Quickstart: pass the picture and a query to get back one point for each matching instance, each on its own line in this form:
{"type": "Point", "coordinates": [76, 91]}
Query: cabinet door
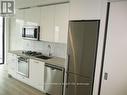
{"type": "Point", "coordinates": [16, 25]}
{"type": "Point", "coordinates": [18, 29]}
{"type": "Point", "coordinates": [61, 23]}
{"type": "Point", "coordinates": [47, 23]}
{"type": "Point", "coordinates": [54, 23]}
{"type": "Point", "coordinates": [36, 74]}
{"type": "Point", "coordinates": [20, 14]}
{"type": "Point", "coordinates": [32, 16]}
{"type": "Point", "coordinates": [12, 64]}
{"type": "Point", "coordinates": [23, 78]}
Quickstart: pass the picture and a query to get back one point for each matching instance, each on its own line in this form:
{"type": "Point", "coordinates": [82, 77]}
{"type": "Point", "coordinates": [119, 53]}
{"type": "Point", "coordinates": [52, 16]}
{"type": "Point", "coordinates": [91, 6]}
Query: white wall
{"type": "Point", "coordinates": [100, 48]}
{"type": "Point", "coordinates": [115, 54]}
{"type": "Point", "coordinates": [85, 9]}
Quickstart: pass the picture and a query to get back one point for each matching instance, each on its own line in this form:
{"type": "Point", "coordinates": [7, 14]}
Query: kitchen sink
{"type": "Point", "coordinates": [43, 57]}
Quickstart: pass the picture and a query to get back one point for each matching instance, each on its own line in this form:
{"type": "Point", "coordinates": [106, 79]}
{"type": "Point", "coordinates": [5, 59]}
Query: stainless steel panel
{"type": "Point", "coordinates": [53, 80]}
{"type": "Point", "coordinates": [78, 85]}
{"type": "Point", "coordinates": [82, 42]}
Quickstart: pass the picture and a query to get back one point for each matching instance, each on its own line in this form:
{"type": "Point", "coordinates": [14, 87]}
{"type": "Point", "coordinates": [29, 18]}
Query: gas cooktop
{"type": "Point", "coordinates": [31, 53]}
{"type": "Point", "coordinates": [36, 54]}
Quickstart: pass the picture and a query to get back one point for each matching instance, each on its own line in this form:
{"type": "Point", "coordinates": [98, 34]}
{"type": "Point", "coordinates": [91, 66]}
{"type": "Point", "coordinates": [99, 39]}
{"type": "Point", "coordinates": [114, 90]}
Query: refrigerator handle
{"type": "Point", "coordinates": [67, 72]}
{"type": "Point", "coordinates": [68, 62]}
{"type": "Point", "coordinates": [66, 81]}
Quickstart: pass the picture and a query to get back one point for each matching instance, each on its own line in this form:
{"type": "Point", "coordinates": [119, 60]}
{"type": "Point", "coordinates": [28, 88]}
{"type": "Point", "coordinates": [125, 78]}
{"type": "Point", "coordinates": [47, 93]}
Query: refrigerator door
{"type": "Point", "coordinates": [82, 47]}
{"type": "Point", "coordinates": [78, 85]}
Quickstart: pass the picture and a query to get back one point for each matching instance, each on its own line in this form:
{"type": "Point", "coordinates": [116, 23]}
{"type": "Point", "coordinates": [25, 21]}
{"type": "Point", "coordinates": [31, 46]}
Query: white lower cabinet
{"type": "Point", "coordinates": [12, 64]}
{"type": "Point", "coordinates": [36, 74]}
{"type": "Point", "coordinates": [23, 78]}
{"type": "Point", "coordinates": [36, 71]}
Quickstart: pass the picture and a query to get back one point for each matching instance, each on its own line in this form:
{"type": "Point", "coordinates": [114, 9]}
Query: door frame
{"type": "Point", "coordinates": [3, 41]}
{"type": "Point", "coordinates": [104, 47]}
{"type": "Point", "coordinates": [104, 43]}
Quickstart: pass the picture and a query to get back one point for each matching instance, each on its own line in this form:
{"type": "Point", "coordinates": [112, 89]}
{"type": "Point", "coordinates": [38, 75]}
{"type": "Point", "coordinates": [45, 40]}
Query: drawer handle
{"type": "Point", "coordinates": [36, 62]}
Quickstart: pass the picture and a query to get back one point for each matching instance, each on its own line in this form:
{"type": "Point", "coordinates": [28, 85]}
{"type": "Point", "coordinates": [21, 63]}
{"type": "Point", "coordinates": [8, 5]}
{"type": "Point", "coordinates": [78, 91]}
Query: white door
{"type": "Point", "coordinates": [115, 62]}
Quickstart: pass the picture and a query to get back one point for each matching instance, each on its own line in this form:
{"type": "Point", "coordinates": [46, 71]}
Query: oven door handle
{"type": "Point", "coordinates": [23, 60]}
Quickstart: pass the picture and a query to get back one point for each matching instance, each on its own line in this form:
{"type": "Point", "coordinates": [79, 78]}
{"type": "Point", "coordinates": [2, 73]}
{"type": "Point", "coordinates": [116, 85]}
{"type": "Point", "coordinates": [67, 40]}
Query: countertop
{"type": "Point", "coordinates": [57, 61]}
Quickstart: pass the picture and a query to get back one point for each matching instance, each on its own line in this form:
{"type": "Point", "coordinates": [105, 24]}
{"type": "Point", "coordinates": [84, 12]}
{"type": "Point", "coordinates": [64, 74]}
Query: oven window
{"type": "Point", "coordinates": [23, 68]}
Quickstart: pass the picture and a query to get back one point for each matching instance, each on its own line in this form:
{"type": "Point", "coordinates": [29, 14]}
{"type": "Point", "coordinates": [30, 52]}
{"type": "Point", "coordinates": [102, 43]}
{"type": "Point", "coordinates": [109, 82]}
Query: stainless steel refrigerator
{"type": "Point", "coordinates": [82, 51]}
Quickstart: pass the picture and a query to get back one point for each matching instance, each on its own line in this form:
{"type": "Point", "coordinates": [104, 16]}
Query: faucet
{"type": "Point", "coordinates": [49, 48]}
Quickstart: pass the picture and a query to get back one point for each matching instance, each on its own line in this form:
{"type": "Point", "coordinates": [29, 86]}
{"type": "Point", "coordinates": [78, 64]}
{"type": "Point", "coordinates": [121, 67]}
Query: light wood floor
{"type": "Point", "coordinates": [10, 86]}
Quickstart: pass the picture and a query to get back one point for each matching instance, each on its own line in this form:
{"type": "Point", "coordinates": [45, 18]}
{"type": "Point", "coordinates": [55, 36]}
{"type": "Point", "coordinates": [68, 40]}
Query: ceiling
{"type": "Point", "coordinates": [28, 3]}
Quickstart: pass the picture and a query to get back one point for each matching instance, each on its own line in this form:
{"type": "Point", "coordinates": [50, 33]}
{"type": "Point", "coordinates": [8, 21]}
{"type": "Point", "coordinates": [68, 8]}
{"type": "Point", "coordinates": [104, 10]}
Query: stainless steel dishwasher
{"type": "Point", "coordinates": [54, 78]}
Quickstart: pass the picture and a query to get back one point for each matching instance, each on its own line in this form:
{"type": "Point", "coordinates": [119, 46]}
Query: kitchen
{"type": "Point", "coordinates": [47, 40]}
{"type": "Point", "coordinates": [34, 57]}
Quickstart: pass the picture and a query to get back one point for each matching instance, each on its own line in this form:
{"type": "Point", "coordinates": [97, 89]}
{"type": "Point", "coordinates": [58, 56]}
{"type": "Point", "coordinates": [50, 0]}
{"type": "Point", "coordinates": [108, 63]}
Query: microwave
{"type": "Point", "coordinates": [31, 32]}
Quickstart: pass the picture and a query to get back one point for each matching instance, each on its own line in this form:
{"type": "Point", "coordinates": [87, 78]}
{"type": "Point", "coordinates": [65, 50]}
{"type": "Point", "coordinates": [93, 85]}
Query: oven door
{"type": "Point", "coordinates": [23, 67]}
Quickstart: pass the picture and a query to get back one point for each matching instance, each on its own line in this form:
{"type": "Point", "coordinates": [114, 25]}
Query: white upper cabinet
{"type": "Point", "coordinates": [54, 23]}
{"type": "Point", "coordinates": [16, 24]}
{"type": "Point", "coordinates": [61, 22]}
{"type": "Point", "coordinates": [47, 23]}
{"type": "Point", "coordinates": [20, 14]}
{"type": "Point", "coordinates": [32, 16]}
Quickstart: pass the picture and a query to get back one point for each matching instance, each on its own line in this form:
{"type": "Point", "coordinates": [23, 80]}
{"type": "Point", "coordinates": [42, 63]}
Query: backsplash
{"type": "Point", "coordinates": [57, 49]}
